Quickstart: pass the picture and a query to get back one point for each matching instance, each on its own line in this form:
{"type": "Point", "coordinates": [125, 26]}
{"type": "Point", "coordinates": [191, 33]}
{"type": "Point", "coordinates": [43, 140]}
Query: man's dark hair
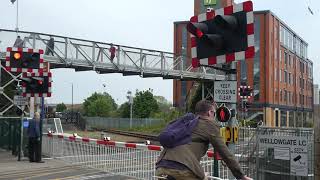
{"type": "Point", "coordinates": [203, 106]}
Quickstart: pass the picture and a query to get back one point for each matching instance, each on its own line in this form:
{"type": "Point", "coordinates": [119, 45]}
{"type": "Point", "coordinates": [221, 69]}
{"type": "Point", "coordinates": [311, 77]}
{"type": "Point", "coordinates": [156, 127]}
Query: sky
{"type": "Point", "coordinates": [141, 23]}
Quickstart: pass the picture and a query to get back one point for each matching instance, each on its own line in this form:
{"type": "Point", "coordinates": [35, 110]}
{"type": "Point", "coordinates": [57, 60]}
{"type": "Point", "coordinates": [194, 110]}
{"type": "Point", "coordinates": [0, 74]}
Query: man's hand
{"type": "Point", "coordinates": [246, 178]}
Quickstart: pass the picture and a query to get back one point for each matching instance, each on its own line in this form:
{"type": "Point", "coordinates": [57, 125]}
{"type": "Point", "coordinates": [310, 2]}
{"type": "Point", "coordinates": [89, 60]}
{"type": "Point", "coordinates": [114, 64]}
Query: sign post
{"type": "Point", "coordinates": [21, 102]}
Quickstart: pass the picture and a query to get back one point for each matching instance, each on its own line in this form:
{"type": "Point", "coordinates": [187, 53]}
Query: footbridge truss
{"type": "Point", "coordinates": [86, 55]}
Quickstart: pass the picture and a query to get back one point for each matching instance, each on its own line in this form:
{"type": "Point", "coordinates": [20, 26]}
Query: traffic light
{"type": "Point", "coordinates": [24, 60]}
{"type": "Point", "coordinates": [223, 35]}
{"type": "Point", "coordinates": [245, 92]}
{"type": "Point", "coordinates": [223, 114]}
{"type": "Point", "coordinates": [36, 84]}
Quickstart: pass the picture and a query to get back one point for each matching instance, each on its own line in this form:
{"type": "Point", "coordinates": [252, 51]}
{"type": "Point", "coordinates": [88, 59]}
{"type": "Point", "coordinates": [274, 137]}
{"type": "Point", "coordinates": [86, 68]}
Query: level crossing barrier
{"type": "Point", "coordinates": [120, 158]}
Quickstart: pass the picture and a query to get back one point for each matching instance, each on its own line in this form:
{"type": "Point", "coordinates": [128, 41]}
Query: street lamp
{"type": "Point", "coordinates": [130, 98]}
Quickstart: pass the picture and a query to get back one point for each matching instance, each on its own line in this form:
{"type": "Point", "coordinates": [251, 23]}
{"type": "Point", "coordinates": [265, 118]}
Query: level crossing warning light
{"type": "Point", "coordinates": [36, 84]}
{"type": "Point", "coordinates": [24, 60]}
{"type": "Point", "coordinates": [222, 35]}
{"type": "Point", "coordinates": [223, 114]}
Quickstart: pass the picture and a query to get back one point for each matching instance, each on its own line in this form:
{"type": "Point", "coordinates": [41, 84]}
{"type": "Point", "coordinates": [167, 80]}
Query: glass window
{"type": "Point", "coordinates": [275, 74]}
{"type": "Point", "coordinates": [285, 59]}
{"type": "Point", "coordinates": [256, 64]}
{"type": "Point", "coordinates": [243, 72]}
{"type": "Point", "coordinates": [291, 120]}
{"type": "Point", "coordinates": [280, 95]}
{"type": "Point", "coordinates": [281, 35]}
{"type": "Point", "coordinates": [280, 79]}
{"type": "Point", "coordinates": [290, 41]}
{"type": "Point", "coordinates": [285, 77]}
{"type": "Point", "coordinates": [286, 38]}
{"type": "Point", "coordinates": [298, 46]}
{"type": "Point", "coordinates": [289, 60]}
{"type": "Point", "coordinates": [283, 120]}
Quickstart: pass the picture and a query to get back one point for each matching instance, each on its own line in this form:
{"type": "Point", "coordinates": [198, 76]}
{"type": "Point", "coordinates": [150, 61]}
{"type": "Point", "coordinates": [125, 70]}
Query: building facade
{"type": "Point", "coordinates": [280, 73]}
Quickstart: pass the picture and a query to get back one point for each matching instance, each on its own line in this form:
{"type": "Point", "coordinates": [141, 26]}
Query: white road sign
{"type": "Point", "coordinates": [292, 146]}
{"type": "Point", "coordinates": [20, 100]}
{"type": "Point", "coordinates": [225, 91]}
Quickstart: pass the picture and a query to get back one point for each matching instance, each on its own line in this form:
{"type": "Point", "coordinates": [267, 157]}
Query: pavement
{"type": "Point", "coordinates": [51, 169]}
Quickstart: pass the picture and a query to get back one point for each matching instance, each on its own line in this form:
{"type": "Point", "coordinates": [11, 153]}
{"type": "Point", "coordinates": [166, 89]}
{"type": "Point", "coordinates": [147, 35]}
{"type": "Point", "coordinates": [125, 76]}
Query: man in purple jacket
{"type": "Point", "coordinates": [183, 162]}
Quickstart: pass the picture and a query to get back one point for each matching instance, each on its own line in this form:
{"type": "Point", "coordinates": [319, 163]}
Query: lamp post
{"type": "Point", "coordinates": [130, 98]}
{"type": "Point", "coordinates": [71, 101]}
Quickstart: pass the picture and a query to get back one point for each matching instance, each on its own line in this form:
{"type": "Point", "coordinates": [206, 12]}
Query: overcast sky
{"type": "Point", "coordinates": [141, 23]}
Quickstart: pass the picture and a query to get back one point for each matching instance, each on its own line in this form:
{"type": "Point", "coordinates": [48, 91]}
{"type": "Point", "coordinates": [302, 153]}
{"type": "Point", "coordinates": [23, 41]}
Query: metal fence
{"type": "Point", "coordinates": [257, 158]}
{"type": "Point", "coordinates": [10, 134]}
{"type": "Point", "coordinates": [126, 159]}
{"type": "Point", "coordinates": [285, 153]}
{"type": "Point", "coordinates": [122, 123]}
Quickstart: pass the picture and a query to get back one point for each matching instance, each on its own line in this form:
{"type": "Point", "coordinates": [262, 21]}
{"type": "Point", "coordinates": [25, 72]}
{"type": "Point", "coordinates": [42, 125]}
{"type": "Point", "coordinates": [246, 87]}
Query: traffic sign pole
{"type": "Point", "coordinates": [21, 135]}
{"type": "Point", "coordinates": [233, 122]}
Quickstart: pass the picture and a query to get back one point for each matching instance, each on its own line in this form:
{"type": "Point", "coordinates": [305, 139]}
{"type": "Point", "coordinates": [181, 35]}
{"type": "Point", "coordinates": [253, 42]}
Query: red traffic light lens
{"type": "Point", "coordinates": [197, 29]}
{"type": "Point", "coordinates": [199, 33]}
{"type": "Point", "coordinates": [17, 55]}
{"type": "Point", "coordinates": [40, 82]}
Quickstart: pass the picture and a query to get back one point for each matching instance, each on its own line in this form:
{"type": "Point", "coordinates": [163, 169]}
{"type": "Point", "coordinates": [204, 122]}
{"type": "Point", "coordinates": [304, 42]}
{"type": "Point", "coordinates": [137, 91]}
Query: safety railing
{"type": "Point", "coordinates": [120, 158]}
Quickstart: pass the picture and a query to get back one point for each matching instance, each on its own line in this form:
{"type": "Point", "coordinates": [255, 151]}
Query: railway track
{"type": "Point", "coordinates": [133, 134]}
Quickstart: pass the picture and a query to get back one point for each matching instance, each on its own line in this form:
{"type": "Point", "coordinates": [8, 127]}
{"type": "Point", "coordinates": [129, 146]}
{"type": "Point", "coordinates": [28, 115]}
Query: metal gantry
{"type": "Point", "coordinates": [86, 55]}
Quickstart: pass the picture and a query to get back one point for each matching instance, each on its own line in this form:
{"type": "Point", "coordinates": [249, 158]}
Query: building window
{"type": "Point", "coordinates": [275, 74]}
{"type": "Point", "coordinates": [280, 79]}
{"type": "Point", "coordinates": [282, 34]}
{"type": "Point", "coordinates": [256, 64]}
{"type": "Point", "coordinates": [285, 99]}
{"type": "Point", "coordinates": [290, 63]}
{"type": "Point", "coordinates": [276, 94]}
{"type": "Point", "coordinates": [291, 120]}
{"type": "Point", "coordinates": [289, 78]}
{"type": "Point", "coordinates": [285, 59]}
{"type": "Point", "coordinates": [285, 77]}
{"type": "Point", "coordinates": [283, 120]}
{"type": "Point", "coordinates": [243, 72]}
{"type": "Point", "coordinates": [280, 95]}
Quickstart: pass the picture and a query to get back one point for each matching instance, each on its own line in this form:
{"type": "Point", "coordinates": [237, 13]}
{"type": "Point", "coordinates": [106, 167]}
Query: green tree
{"type": "Point", "coordinates": [61, 107]}
{"type": "Point", "coordinates": [196, 96]}
{"type": "Point", "coordinates": [163, 103]}
{"type": "Point", "coordinates": [98, 104]}
{"type": "Point", "coordinates": [144, 104]}
{"type": "Point", "coordinates": [124, 110]}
